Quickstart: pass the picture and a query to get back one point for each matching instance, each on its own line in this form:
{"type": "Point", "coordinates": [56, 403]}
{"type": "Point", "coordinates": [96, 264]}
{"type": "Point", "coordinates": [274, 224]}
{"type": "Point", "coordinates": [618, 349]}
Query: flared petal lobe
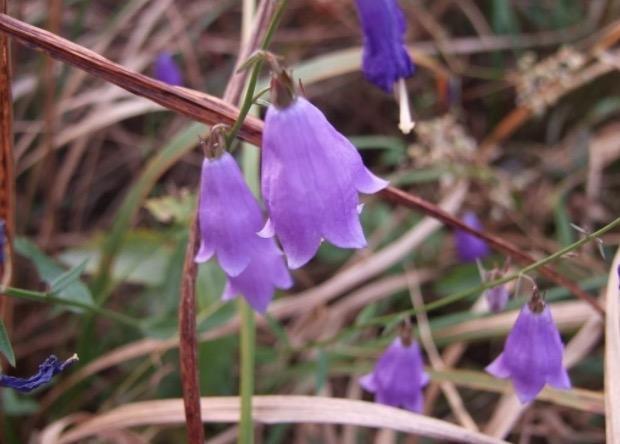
{"type": "Point", "coordinates": [311, 177]}
{"type": "Point", "coordinates": [469, 248]}
{"type": "Point", "coordinates": [265, 272]}
{"type": "Point", "coordinates": [47, 370]}
{"type": "Point", "coordinates": [167, 70]}
{"type": "Point", "coordinates": [385, 58]}
{"type": "Point", "coordinates": [532, 355]}
{"type": "Point", "coordinates": [398, 377]}
{"type": "Point", "coordinates": [229, 215]}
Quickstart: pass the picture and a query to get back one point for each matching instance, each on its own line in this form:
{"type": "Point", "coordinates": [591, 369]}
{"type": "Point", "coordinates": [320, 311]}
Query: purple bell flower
{"type": "Point", "coordinates": [311, 177]}
{"type": "Point", "coordinates": [470, 248]}
{"type": "Point", "coordinates": [385, 58]}
{"type": "Point", "coordinates": [47, 370]}
{"type": "Point", "coordinates": [229, 218]}
{"type": "Point", "coordinates": [167, 71]}
{"type": "Point", "coordinates": [533, 353]}
{"type": "Point", "coordinates": [497, 298]}
{"type": "Point", "coordinates": [398, 377]}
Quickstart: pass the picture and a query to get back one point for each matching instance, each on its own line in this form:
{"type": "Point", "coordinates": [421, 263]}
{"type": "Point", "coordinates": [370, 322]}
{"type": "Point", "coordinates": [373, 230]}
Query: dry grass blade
{"type": "Point", "coordinates": [195, 105]}
{"type": "Point", "coordinates": [612, 355]}
{"type": "Point", "coordinates": [275, 410]}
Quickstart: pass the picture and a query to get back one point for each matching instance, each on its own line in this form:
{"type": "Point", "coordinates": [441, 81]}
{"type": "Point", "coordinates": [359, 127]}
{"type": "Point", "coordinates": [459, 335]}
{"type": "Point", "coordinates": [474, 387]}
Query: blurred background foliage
{"type": "Point", "coordinates": [107, 180]}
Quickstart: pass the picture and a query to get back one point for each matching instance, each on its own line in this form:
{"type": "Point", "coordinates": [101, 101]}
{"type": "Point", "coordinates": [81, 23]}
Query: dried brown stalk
{"type": "Point", "coordinates": [187, 307]}
{"type": "Point", "coordinates": [7, 178]}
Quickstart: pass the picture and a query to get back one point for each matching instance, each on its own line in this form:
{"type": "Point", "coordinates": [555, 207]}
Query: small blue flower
{"type": "Point", "coordinates": [533, 353]}
{"type": "Point", "coordinates": [385, 58]}
{"type": "Point", "coordinates": [469, 248]}
{"type": "Point", "coordinates": [47, 370]}
{"type": "Point", "coordinates": [167, 70]}
{"type": "Point", "coordinates": [398, 377]}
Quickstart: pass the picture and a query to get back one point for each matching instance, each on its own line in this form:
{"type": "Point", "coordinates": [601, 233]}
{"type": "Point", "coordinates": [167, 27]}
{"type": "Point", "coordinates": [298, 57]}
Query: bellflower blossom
{"type": "Point", "coordinates": [470, 248]}
{"type": "Point", "coordinates": [533, 353]}
{"type": "Point", "coordinates": [398, 377]}
{"type": "Point", "coordinates": [311, 177]}
{"type": "Point", "coordinates": [229, 218]}
{"type": "Point", "coordinates": [385, 58]}
{"type": "Point", "coordinates": [497, 297]}
{"type": "Point", "coordinates": [47, 370]}
{"type": "Point", "coordinates": [167, 70]}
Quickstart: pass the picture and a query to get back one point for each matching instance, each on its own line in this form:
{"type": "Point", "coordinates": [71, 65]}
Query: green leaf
{"type": "Point", "coordinates": [14, 404]}
{"type": "Point", "coordinates": [5, 345]}
{"type": "Point", "coordinates": [64, 284]}
{"type": "Point", "coordinates": [67, 278]}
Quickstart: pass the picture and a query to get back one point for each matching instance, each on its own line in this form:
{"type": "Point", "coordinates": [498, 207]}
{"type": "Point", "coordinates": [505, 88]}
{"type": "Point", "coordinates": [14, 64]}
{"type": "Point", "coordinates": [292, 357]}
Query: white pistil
{"type": "Point", "coordinates": [406, 123]}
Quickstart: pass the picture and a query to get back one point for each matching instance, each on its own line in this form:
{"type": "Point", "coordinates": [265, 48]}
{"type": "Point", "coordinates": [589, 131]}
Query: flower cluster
{"type": "Point", "coordinates": [311, 177]}
{"type": "Point", "coordinates": [47, 370]}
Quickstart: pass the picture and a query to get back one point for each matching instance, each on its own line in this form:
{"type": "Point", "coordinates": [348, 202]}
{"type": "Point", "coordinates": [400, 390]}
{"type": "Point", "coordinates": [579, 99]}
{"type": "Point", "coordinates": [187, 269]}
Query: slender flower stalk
{"type": "Point", "coordinates": [385, 60]}
{"type": "Point", "coordinates": [533, 353]}
{"type": "Point", "coordinates": [47, 370]}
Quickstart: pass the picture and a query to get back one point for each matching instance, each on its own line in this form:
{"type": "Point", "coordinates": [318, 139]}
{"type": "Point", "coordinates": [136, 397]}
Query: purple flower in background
{"type": "Point", "coordinates": [469, 247]}
{"type": "Point", "coordinates": [497, 298]}
{"type": "Point", "coordinates": [311, 177]}
{"type": "Point", "coordinates": [166, 70]}
{"type": "Point", "coordinates": [533, 353]}
{"type": "Point", "coordinates": [398, 377]}
{"type": "Point", "coordinates": [47, 370]}
{"type": "Point", "coordinates": [385, 60]}
{"type": "Point", "coordinates": [229, 218]}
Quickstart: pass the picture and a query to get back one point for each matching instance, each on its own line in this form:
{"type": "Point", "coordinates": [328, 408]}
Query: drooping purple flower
{"type": "Point", "coordinates": [469, 248]}
{"type": "Point", "coordinates": [398, 377]}
{"type": "Point", "coordinates": [385, 58]}
{"type": "Point", "coordinates": [229, 219]}
{"type": "Point", "coordinates": [47, 370]}
{"type": "Point", "coordinates": [167, 70]}
{"type": "Point", "coordinates": [533, 353]}
{"type": "Point", "coordinates": [311, 177]}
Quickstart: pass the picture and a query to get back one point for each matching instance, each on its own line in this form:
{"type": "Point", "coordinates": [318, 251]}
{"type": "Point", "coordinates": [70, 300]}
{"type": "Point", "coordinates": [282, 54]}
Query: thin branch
{"type": "Point", "coordinates": [7, 175]}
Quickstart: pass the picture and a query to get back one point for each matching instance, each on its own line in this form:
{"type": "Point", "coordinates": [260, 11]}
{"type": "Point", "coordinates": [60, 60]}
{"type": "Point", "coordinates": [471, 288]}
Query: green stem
{"type": "Point", "coordinates": [48, 297]}
{"type": "Point", "coordinates": [383, 320]}
{"type": "Point", "coordinates": [248, 332]}
{"type": "Point", "coordinates": [248, 100]}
